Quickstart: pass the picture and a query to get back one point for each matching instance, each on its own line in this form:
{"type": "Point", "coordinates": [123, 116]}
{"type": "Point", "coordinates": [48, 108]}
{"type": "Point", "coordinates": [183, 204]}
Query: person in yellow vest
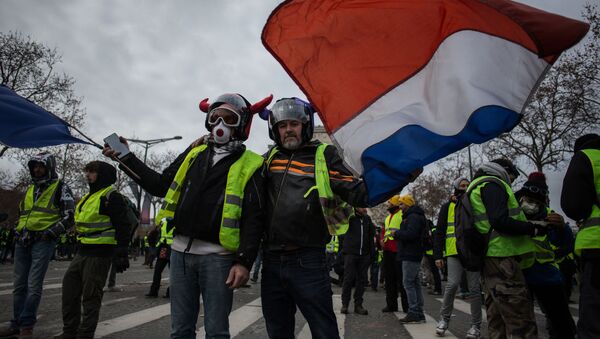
{"type": "Point", "coordinates": [309, 196]}
{"type": "Point", "coordinates": [45, 213]}
{"type": "Point", "coordinates": [544, 279]}
{"type": "Point", "coordinates": [580, 200]}
{"type": "Point", "coordinates": [392, 272]}
{"type": "Point", "coordinates": [497, 215]}
{"type": "Point", "coordinates": [163, 257]}
{"type": "Point", "coordinates": [102, 230]}
{"type": "Point", "coordinates": [444, 246]}
{"type": "Point", "coordinates": [214, 191]}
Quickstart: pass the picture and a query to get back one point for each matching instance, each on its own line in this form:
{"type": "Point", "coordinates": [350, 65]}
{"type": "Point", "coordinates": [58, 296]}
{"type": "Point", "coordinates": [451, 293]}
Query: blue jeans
{"type": "Point", "coordinates": [298, 278]}
{"type": "Point", "coordinates": [31, 264]}
{"type": "Point", "coordinates": [193, 276]}
{"type": "Point", "coordinates": [412, 285]}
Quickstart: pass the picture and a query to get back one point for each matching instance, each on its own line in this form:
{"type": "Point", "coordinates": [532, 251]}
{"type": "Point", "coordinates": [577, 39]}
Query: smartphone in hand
{"type": "Point", "coordinates": [113, 142]}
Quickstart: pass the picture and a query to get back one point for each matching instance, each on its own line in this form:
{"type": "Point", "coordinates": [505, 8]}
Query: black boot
{"type": "Point", "coordinates": [344, 309]}
{"type": "Point", "coordinates": [358, 309]}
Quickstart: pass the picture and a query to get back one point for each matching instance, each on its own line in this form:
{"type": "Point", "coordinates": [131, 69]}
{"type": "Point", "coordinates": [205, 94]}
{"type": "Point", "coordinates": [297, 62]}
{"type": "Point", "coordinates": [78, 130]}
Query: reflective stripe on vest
{"type": "Point", "coordinates": [450, 236]}
{"type": "Point", "coordinates": [430, 252]}
{"type": "Point", "coordinates": [500, 245]}
{"type": "Point", "coordinates": [239, 174]}
{"type": "Point", "coordinates": [166, 237]}
{"type": "Point", "coordinates": [335, 211]}
{"type": "Point", "coordinates": [41, 214]}
{"type": "Point", "coordinates": [391, 226]}
{"type": "Point", "coordinates": [588, 236]}
{"type": "Point", "coordinates": [92, 227]}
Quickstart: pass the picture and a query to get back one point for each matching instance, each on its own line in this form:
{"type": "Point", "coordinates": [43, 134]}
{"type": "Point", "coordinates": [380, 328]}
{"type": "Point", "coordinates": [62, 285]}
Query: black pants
{"type": "Point", "coordinates": [82, 289]}
{"type": "Point", "coordinates": [437, 280]}
{"type": "Point", "coordinates": [553, 302]}
{"type": "Point", "coordinates": [161, 262]}
{"type": "Point", "coordinates": [112, 276]}
{"type": "Point", "coordinates": [393, 282]}
{"type": "Point", "coordinates": [355, 275]}
{"type": "Point", "coordinates": [374, 272]}
{"type": "Point", "coordinates": [588, 326]}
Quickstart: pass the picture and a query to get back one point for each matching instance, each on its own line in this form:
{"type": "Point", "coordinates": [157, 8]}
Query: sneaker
{"type": "Point", "coordinates": [8, 331]}
{"type": "Point", "coordinates": [413, 319]}
{"type": "Point", "coordinates": [344, 309]}
{"type": "Point", "coordinates": [441, 328]}
{"type": "Point", "coordinates": [388, 309]}
{"type": "Point", "coordinates": [358, 309]}
{"type": "Point", "coordinates": [473, 333]}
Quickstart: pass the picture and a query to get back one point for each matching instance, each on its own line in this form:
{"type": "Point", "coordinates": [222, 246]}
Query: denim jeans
{"type": "Point", "coordinates": [193, 276]}
{"type": "Point", "coordinates": [412, 285]}
{"type": "Point", "coordinates": [31, 264]}
{"type": "Point", "coordinates": [298, 278]}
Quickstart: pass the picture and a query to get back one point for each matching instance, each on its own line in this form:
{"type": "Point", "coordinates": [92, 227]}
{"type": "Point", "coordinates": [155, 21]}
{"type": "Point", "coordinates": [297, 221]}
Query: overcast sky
{"type": "Point", "coordinates": [143, 66]}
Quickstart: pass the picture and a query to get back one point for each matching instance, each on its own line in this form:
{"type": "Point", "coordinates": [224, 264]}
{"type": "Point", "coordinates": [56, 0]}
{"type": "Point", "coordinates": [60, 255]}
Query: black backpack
{"type": "Point", "coordinates": [471, 244]}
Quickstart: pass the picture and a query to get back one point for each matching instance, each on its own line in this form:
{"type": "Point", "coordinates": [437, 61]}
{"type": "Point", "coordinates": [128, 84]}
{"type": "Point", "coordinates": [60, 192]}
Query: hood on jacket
{"type": "Point", "coordinates": [414, 209]}
{"type": "Point", "coordinates": [49, 162]}
{"type": "Point", "coordinates": [107, 174]}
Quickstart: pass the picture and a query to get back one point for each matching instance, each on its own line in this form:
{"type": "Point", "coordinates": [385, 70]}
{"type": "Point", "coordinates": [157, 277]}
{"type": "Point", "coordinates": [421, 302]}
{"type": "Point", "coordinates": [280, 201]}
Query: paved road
{"type": "Point", "coordinates": [128, 314]}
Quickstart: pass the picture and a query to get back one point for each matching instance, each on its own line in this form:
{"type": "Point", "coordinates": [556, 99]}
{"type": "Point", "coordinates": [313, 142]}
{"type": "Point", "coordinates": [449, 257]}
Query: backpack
{"type": "Point", "coordinates": [133, 214]}
{"type": "Point", "coordinates": [471, 244]}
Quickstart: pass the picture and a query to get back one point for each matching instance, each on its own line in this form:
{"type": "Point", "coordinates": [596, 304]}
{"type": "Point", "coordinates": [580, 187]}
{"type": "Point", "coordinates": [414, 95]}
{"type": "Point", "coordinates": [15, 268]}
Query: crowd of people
{"type": "Point", "coordinates": [301, 211]}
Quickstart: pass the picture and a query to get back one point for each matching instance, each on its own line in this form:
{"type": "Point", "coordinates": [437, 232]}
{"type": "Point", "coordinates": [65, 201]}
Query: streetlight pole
{"type": "Point", "coordinates": [147, 144]}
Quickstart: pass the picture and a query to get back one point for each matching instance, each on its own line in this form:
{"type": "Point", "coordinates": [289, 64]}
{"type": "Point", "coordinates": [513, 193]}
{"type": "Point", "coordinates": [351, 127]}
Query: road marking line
{"type": "Point", "coordinates": [240, 318]}
{"type": "Point", "coordinates": [132, 320]}
{"type": "Point", "coordinates": [341, 320]}
{"type": "Point", "coordinates": [115, 301]}
{"type": "Point", "coordinates": [423, 331]}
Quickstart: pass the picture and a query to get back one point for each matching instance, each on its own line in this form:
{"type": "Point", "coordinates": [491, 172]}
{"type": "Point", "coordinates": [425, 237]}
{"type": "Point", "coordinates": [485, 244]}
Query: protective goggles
{"type": "Point", "coordinates": [535, 190]}
{"type": "Point", "coordinates": [229, 117]}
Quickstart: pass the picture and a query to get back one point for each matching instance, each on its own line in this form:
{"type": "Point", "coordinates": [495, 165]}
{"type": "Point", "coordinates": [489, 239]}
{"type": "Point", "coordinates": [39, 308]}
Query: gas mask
{"type": "Point", "coordinates": [221, 134]}
{"type": "Point", "coordinates": [530, 208]}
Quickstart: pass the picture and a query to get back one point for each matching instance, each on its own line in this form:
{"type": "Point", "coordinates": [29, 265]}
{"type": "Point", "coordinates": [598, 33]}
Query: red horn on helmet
{"type": "Point", "coordinates": [204, 105]}
{"type": "Point", "coordinates": [261, 105]}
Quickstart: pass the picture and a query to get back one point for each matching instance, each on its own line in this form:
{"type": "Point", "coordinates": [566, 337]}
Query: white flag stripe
{"type": "Point", "coordinates": [468, 71]}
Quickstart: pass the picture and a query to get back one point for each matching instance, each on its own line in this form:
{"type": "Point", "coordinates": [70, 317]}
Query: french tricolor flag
{"type": "Point", "coordinates": [400, 84]}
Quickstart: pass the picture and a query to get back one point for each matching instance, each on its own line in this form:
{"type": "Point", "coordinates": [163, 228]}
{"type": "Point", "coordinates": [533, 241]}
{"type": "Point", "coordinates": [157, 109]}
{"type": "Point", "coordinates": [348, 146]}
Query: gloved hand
{"type": "Point", "coordinates": [53, 232]}
{"type": "Point", "coordinates": [121, 259]}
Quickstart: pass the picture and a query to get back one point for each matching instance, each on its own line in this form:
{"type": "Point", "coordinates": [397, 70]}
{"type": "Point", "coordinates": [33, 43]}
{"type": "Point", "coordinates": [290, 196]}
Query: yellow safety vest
{"type": "Point", "coordinates": [92, 227]}
{"type": "Point", "coordinates": [501, 245]}
{"type": "Point", "coordinates": [544, 250]}
{"type": "Point", "coordinates": [588, 236]}
{"type": "Point", "coordinates": [391, 226]}
{"type": "Point", "coordinates": [41, 214]}
{"type": "Point", "coordinates": [450, 235]}
{"type": "Point", "coordinates": [239, 174]}
{"type": "Point", "coordinates": [333, 245]}
{"type": "Point", "coordinates": [336, 211]}
{"type": "Point", "coordinates": [166, 237]}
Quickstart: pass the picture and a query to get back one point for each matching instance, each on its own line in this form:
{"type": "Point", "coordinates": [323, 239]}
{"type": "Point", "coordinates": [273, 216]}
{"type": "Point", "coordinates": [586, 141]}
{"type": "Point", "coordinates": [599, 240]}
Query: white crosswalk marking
{"type": "Point", "coordinates": [423, 331]}
{"type": "Point", "coordinates": [46, 287]}
{"type": "Point", "coordinates": [465, 307]}
{"type": "Point", "coordinates": [116, 301]}
{"type": "Point", "coordinates": [240, 318]}
{"type": "Point", "coordinates": [132, 320]}
{"type": "Point", "coordinates": [341, 319]}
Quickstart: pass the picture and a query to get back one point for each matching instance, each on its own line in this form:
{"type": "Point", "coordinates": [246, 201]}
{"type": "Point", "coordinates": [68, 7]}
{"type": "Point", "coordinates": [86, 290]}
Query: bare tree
{"type": "Point", "coordinates": [29, 68]}
{"type": "Point", "coordinates": [565, 106]}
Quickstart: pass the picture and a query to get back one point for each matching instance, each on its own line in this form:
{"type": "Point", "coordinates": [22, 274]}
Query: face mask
{"type": "Point", "coordinates": [221, 133]}
{"type": "Point", "coordinates": [458, 193]}
{"type": "Point", "coordinates": [530, 207]}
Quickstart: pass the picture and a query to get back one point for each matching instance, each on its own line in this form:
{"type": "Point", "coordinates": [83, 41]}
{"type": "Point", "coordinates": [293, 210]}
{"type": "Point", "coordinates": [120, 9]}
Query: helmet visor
{"type": "Point", "coordinates": [288, 110]}
{"type": "Point", "coordinates": [229, 117]}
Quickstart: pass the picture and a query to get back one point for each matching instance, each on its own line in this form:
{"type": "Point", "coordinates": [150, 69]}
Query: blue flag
{"type": "Point", "coordinates": [24, 124]}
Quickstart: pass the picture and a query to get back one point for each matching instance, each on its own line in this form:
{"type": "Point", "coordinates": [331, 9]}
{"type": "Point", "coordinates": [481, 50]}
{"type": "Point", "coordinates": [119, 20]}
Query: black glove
{"type": "Point", "coordinates": [121, 259]}
{"type": "Point", "coordinates": [53, 232]}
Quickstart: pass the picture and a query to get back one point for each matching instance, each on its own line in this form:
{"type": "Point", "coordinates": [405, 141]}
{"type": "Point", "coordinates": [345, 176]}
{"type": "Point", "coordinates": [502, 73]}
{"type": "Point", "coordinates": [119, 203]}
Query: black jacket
{"type": "Point", "coordinates": [579, 192]}
{"type": "Point", "coordinates": [199, 210]}
{"type": "Point", "coordinates": [295, 220]}
{"type": "Point", "coordinates": [439, 236]}
{"type": "Point", "coordinates": [359, 238]}
{"type": "Point", "coordinates": [411, 234]}
{"type": "Point", "coordinates": [114, 207]}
